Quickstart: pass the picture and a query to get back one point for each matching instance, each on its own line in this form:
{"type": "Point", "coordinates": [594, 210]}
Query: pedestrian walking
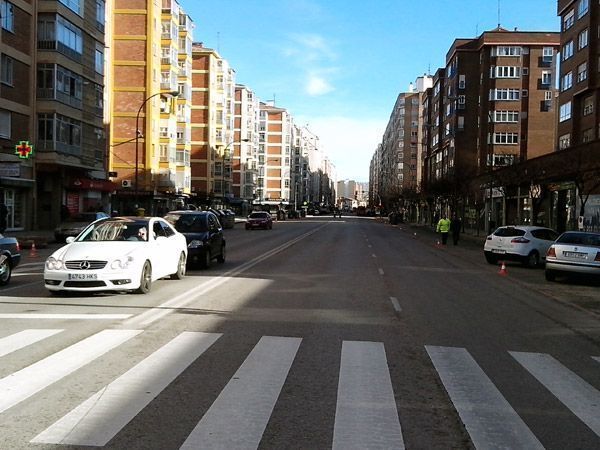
{"type": "Point", "coordinates": [455, 227]}
{"type": "Point", "coordinates": [443, 227]}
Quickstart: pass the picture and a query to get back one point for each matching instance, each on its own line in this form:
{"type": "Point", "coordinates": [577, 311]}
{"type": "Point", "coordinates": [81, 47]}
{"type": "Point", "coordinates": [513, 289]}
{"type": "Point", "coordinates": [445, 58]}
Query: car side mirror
{"type": "Point", "coordinates": [69, 239]}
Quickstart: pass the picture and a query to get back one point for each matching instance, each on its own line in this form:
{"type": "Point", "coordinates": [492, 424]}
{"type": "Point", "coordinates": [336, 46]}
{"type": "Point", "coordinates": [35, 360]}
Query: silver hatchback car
{"type": "Point", "coordinates": [574, 252]}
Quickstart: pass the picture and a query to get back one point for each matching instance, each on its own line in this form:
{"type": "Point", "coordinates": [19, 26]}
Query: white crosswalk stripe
{"type": "Point", "coordinates": [577, 395]}
{"type": "Point", "coordinates": [23, 339]}
{"type": "Point", "coordinates": [366, 414]}
{"type": "Point", "coordinates": [488, 417]}
{"type": "Point", "coordinates": [238, 417]}
{"type": "Point", "coordinates": [22, 384]}
{"type": "Point", "coordinates": [97, 420]}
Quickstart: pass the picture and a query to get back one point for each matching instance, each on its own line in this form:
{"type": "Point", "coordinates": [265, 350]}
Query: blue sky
{"type": "Point", "coordinates": [338, 65]}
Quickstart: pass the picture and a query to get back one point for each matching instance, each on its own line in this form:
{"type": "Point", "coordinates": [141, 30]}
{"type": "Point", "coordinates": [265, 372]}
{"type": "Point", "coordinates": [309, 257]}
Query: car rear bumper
{"type": "Point", "coordinates": [573, 267]}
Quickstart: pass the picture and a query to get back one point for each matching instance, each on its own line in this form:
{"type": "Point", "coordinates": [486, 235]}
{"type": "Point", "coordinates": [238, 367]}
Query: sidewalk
{"type": "Point", "coordinates": [41, 238]}
{"type": "Point", "coordinates": [466, 238]}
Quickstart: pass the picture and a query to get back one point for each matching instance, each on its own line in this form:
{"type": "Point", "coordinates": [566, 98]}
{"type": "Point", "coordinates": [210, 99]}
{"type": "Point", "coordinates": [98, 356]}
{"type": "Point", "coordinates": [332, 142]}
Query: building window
{"type": "Point", "coordinates": [505, 94]}
{"type": "Point", "coordinates": [461, 122]}
{"type": "Point", "coordinates": [582, 40]}
{"type": "Point", "coordinates": [6, 70]}
{"type": "Point", "coordinates": [461, 81]}
{"type": "Point", "coordinates": [99, 60]}
{"type": "Point", "coordinates": [547, 54]}
{"type": "Point", "coordinates": [5, 124]}
{"type": "Point", "coordinates": [564, 141]}
{"type": "Point", "coordinates": [568, 20]}
{"type": "Point", "coordinates": [505, 72]}
{"type": "Point", "coordinates": [583, 7]}
{"type": "Point", "coordinates": [506, 116]}
{"type": "Point", "coordinates": [73, 5]}
{"type": "Point", "coordinates": [582, 72]}
{"type": "Point", "coordinates": [565, 112]}
{"type": "Point", "coordinates": [7, 16]}
{"type": "Point", "coordinates": [587, 135]}
{"type": "Point", "coordinates": [588, 105]}
{"type": "Point", "coordinates": [503, 160]}
{"type": "Point", "coordinates": [100, 14]}
{"type": "Point", "coordinates": [548, 95]}
{"type": "Point", "coordinates": [505, 138]}
{"type": "Point", "coordinates": [546, 77]}
{"type": "Point", "coordinates": [506, 51]}
{"type": "Point", "coordinates": [567, 50]}
{"type": "Point", "coordinates": [567, 81]}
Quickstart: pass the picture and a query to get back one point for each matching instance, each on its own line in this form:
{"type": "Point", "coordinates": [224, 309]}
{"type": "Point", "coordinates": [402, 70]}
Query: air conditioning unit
{"type": "Point", "coordinates": [126, 183]}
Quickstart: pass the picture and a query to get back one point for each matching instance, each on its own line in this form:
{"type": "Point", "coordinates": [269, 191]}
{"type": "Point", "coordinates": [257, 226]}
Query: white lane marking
{"type": "Point", "coordinates": [66, 316]}
{"type": "Point", "coordinates": [238, 417]}
{"type": "Point", "coordinates": [374, 255]}
{"type": "Point", "coordinates": [366, 415]}
{"type": "Point", "coordinates": [97, 420]}
{"type": "Point", "coordinates": [370, 246]}
{"type": "Point", "coordinates": [24, 383]}
{"type": "Point", "coordinates": [488, 417]}
{"type": "Point", "coordinates": [20, 286]}
{"type": "Point", "coordinates": [33, 264]}
{"type": "Point", "coordinates": [577, 395]}
{"type": "Point", "coordinates": [193, 294]}
{"type": "Point", "coordinates": [597, 358]}
{"type": "Point", "coordinates": [380, 270]}
{"type": "Point", "coordinates": [22, 339]}
{"type": "Point", "coordinates": [396, 304]}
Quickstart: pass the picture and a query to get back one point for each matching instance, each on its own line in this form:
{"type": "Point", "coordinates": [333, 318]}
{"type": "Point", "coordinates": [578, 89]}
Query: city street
{"type": "Point", "coordinates": [320, 333]}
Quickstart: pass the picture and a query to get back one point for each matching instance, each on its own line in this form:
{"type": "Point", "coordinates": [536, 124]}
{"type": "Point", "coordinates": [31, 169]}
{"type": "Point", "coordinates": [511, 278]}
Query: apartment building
{"type": "Point", "coordinates": [213, 136]}
{"type": "Point", "coordinates": [274, 155]}
{"type": "Point", "coordinates": [245, 156]}
{"type": "Point", "coordinates": [70, 156]}
{"type": "Point", "coordinates": [150, 104]}
{"type": "Point", "coordinates": [578, 116]}
{"type": "Point", "coordinates": [491, 107]}
{"type": "Point", "coordinates": [17, 106]}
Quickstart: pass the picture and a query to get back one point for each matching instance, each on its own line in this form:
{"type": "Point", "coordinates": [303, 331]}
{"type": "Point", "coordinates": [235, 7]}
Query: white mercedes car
{"type": "Point", "coordinates": [117, 254]}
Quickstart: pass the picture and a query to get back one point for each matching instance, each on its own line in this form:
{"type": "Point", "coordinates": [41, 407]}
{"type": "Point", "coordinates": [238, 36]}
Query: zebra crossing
{"type": "Point", "coordinates": [366, 412]}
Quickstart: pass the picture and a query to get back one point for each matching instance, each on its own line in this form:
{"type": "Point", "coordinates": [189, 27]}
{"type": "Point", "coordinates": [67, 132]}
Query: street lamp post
{"type": "Point", "coordinates": [223, 166]}
{"type": "Point", "coordinates": [139, 134]}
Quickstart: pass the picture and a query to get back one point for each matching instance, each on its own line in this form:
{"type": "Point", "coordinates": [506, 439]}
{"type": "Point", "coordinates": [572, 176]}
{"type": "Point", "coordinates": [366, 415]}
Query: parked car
{"type": "Point", "coordinates": [117, 254]}
{"type": "Point", "coordinates": [259, 219]}
{"type": "Point", "coordinates": [226, 220]}
{"type": "Point", "coordinates": [203, 234]}
{"type": "Point", "coordinates": [523, 243]}
{"type": "Point", "coordinates": [75, 224]}
{"type": "Point", "coordinates": [574, 252]}
{"type": "Point", "coordinates": [10, 256]}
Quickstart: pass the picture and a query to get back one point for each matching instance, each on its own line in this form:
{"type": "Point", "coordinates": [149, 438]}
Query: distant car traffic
{"type": "Point", "coordinates": [523, 243]}
{"type": "Point", "coordinates": [226, 217]}
{"type": "Point", "coordinates": [10, 256]}
{"type": "Point", "coordinates": [259, 219]}
{"type": "Point", "coordinates": [75, 224]}
{"type": "Point", "coordinates": [203, 233]}
{"type": "Point", "coordinates": [574, 252]}
{"type": "Point", "coordinates": [118, 254]}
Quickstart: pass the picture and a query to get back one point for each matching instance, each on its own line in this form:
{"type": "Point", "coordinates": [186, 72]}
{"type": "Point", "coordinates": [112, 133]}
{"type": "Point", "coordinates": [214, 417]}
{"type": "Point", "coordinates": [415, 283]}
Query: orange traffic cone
{"type": "Point", "coordinates": [503, 270]}
{"type": "Point", "coordinates": [33, 251]}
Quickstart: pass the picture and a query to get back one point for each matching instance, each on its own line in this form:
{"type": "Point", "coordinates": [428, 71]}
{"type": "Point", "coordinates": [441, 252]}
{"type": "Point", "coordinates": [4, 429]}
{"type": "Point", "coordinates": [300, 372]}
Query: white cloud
{"type": "Point", "coordinates": [348, 142]}
{"type": "Point", "coordinates": [317, 85]}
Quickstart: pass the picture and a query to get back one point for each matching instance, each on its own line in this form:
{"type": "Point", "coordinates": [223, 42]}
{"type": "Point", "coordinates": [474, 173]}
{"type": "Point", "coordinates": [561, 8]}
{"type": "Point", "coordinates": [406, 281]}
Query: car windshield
{"type": "Point", "coordinates": [509, 232]}
{"type": "Point", "coordinates": [115, 230]}
{"type": "Point", "coordinates": [258, 215]}
{"type": "Point", "coordinates": [82, 217]}
{"type": "Point", "coordinates": [588, 239]}
{"type": "Point", "coordinates": [188, 223]}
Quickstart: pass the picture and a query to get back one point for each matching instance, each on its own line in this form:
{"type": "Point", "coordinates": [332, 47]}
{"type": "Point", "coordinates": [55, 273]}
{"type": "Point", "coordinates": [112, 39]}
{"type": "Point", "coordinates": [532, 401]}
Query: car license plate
{"type": "Point", "coordinates": [82, 276]}
{"type": "Point", "coordinates": [578, 255]}
{"type": "Point", "coordinates": [497, 250]}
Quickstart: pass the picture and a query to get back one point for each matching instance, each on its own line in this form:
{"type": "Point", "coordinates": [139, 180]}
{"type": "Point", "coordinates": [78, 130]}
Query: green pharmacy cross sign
{"type": "Point", "coordinates": [24, 149]}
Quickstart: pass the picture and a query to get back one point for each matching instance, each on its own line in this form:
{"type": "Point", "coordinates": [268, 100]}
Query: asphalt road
{"type": "Point", "coordinates": [321, 333]}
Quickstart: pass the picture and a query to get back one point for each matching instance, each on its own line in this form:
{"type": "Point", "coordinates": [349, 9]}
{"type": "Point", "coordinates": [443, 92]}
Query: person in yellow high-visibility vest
{"type": "Point", "coordinates": [443, 227]}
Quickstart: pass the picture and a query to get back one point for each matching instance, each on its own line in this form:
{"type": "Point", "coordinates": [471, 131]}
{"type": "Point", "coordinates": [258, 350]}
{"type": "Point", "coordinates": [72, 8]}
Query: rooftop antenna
{"type": "Point", "coordinates": [498, 13]}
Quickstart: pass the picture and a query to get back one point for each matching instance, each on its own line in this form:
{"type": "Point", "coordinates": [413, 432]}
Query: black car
{"type": "Point", "coordinates": [203, 233]}
{"type": "Point", "coordinates": [10, 256]}
{"type": "Point", "coordinates": [226, 217]}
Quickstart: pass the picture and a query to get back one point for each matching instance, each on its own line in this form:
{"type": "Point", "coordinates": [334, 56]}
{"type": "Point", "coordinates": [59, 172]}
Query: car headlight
{"type": "Point", "coordinates": [121, 263]}
{"type": "Point", "coordinates": [195, 244]}
{"type": "Point", "coordinates": [54, 264]}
